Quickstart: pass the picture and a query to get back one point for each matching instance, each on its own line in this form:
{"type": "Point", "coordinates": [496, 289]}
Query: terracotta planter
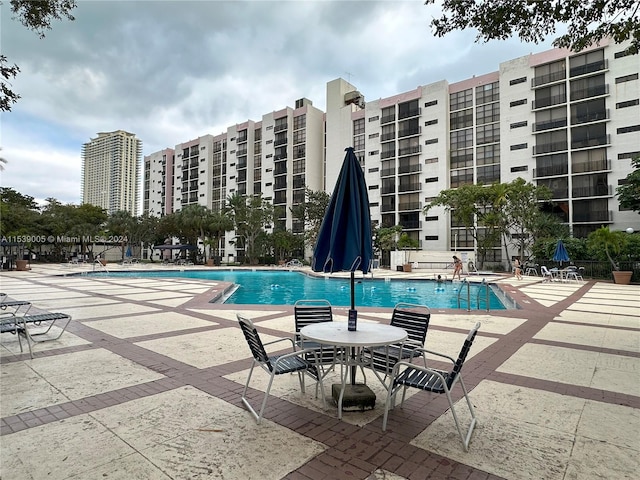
{"type": "Point", "coordinates": [103, 262]}
{"type": "Point", "coordinates": [21, 265]}
{"type": "Point", "coordinates": [209, 262]}
{"type": "Point", "coordinates": [406, 267]}
{"type": "Point", "coordinates": [622, 277]}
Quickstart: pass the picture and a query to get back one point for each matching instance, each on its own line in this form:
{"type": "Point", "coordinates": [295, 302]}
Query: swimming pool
{"type": "Point", "coordinates": [276, 287]}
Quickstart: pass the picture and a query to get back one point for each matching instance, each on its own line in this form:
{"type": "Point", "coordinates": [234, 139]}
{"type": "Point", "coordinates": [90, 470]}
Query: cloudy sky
{"type": "Point", "coordinates": [172, 70]}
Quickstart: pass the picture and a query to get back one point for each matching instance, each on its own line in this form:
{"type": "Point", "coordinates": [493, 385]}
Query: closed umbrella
{"type": "Point", "coordinates": [560, 254]}
{"type": "Point", "coordinates": [344, 242]}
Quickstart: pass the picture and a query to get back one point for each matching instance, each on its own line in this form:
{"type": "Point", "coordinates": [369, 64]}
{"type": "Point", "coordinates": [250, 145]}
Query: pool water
{"type": "Point", "coordinates": [276, 287]}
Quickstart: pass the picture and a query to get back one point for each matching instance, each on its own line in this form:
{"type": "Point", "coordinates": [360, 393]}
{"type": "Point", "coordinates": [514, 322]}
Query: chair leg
{"type": "Point", "coordinates": [465, 438]}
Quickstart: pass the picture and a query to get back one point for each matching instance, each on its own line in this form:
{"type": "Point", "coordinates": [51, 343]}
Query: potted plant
{"type": "Point", "coordinates": [612, 242]}
{"type": "Point", "coordinates": [407, 243]}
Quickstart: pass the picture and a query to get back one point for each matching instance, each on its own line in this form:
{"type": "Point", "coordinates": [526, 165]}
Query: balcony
{"type": "Point", "coordinates": [588, 68]}
{"type": "Point", "coordinates": [551, 171]}
{"type": "Point", "coordinates": [388, 119]}
{"type": "Point", "coordinates": [407, 132]}
{"type": "Point", "coordinates": [410, 187]}
{"type": "Point", "coordinates": [385, 137]}
{"type": "Point", "coordinates": [590, 117]}
{"type": "Point", "coordinates": [549, 125]}
{"type": "Point", "coordinates": [593, 216]}
{"type": "Point", "coordinates": [403, 207]}
{"type": "Point", "coordinates": [549, 101]}
{"type": "Point", "coordinates": [280, 127]}
{"type": "Point", "coordinates": [409, 150]}
{"type": "Point", "coordinates": [281, 141]}
{"type": "Point", "coordinates": [409, 168]}
{"type": "Point", "coordinates": [591, 142]}
{"type": "Point", "coordinates": [548, 78]}
{"type": "Point", "coordinates": [388, 172]}
{"type": "Point", "coordinates": [388, 154]}
{"type": "Point", "coordinates": [411, 224]}
{"type": "Point", "coordinates": [414, 112]}
{"type": "Point", "coordinates": [593, 166]}
{"type": "Point", "coordinates": [549, 147]}
{"type": "Point", "coordinates": [592, 191]}
{"type": "Point", "coordinates": [595, 91]}
{"type": "Point", "coordinates": [388, 208]}
{"type": "Point", "coordinates": [388, 189]}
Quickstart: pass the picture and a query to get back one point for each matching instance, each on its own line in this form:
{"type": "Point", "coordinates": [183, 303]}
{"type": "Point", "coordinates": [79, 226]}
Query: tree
{"type": "Point", "coordinates": [629, 193]}
{"type": "Point", "coordinates": [612, 242]}
{"type": "Point", "coordinates": [311, 212]}
{"type": "Point", "coordinates": [250, 216]}
{"type": "Point", "coordinates": [121, 224]}
{"type": "Point", "coordinates": [587, 22]}
{"type": "Point", "coordinates": [18, 213]}
{"type": "Point", "coordinates": [36, 16]}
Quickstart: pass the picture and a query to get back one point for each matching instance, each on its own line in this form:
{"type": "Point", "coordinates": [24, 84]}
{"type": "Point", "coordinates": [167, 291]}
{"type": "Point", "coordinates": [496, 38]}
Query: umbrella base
{"type": "Point", "coordinates": [356, 397]}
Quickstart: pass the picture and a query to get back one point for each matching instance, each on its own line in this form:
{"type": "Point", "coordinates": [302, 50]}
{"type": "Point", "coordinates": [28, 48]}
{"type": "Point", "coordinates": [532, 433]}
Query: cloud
{"type": "Point", "coordinates": [170, 71]}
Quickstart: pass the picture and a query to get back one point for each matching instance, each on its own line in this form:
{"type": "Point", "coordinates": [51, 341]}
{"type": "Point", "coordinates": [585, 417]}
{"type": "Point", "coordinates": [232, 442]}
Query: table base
{"type": "Point", "coordinates": [356, 397]}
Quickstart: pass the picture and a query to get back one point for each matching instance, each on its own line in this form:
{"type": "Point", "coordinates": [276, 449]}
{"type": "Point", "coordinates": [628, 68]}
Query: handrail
{"type": "Point", "coordinates": [466, 280]}
{"type": "Point", "coordinates": [97, 261]}
{"type": "Point", "coordinates": [486, 289]}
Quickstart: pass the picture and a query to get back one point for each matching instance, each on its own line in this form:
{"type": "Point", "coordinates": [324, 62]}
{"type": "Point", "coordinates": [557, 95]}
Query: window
{"type": "Point", "coordinates": [373, 170]}
{"type": "Point", "coordinates": [431, 180]}
{"type": "Point", "coordinates": [461, 177]}
{"type": "Point", "coordinates": [632, 128]}
{"type": "Point", "coordinates": [488, 113]}
{"type": "Point", "coordinates": [374, 152]}
{"type": "Point", "coordinates": [431, 237]}
{"type": "Point", "coordinates": [374, 119]}
{"type": "Point", "coordinates": [488, 154]}
{"type": "Point", "coordinates": [621, 54]}
{"type": "Point", "coordinates": [299, 122]}
{"type": "Point", "coordinates": [430, 122]}
{"type": "Point", "coordinates": [519, 169]}
{"type": "Point", "coordinates": [518, 146]}
{"type": "Point", "coordinates": [431, 218]}
{"type": "Point", "coordinates": [431, 103]}
{"type": "Point", "coordinates": [627, 78]}
{"type": "Point", "coordinates": [488, 133]}
{"type": "Point", "coordinates": [431, 160]}
{"type": "Point", "coordinates": [408, 109]}
{"type": "Point", "coordinates": [488, 93]}
{"type": "Point", "coordinates": [374, 135]}
{"type": "Point", "coordinates": [461, 119]}
{"type": "Point", "coordinates": [461, 139]}
{"type": "Point", "coordinates": [515, 103]}
{"type": "Point", "coordinates": [518, 124]}
{"type": "Point", "coordinates": [374, 187]}
{"type": "Point", "coordinates": [460, 100]}
{"type": "Point", "coordinates": [488, 174]}
{"type": "Point", "coordinates": [358, 126]}
{"type": "Point", "coordinates": [431, 141]}
{"type": "Point", "coordinates": [625, 155]}
{"type": "Point", "coordinates": [515, 81]}
{"type": "Point", "coordinates": [628, 103]}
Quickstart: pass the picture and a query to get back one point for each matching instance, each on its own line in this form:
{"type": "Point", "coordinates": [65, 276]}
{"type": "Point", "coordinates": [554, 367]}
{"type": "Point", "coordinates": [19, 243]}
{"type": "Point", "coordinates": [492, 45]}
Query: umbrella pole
{"type": "Point", "coordinates": [353, 308]}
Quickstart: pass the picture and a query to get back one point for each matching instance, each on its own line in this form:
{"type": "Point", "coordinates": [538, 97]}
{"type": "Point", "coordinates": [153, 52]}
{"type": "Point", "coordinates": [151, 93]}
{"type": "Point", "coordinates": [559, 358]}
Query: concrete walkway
{"type": "Point", "coordinates": [146, 384]}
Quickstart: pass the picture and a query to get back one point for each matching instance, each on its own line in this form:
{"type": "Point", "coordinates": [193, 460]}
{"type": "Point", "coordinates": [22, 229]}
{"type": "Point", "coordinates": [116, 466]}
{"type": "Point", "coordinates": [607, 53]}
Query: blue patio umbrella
{"type": "Point", "coordinates": [344, 242]}
{"type": "Point", "coordinates": [560, 254]}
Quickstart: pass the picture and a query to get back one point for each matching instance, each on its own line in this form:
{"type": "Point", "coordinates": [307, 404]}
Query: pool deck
{"type": "Point", "coordinates": [146, 384]}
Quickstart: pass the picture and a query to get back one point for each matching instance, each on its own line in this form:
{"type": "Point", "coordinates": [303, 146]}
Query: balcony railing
{"type": "Point", "coordinates": [590, 117]}
{"type": "Point", "coordinates": [388, 118]}
{"type": "Point", "coordinates": [595, 91]}
{"type": "Point", "coordinates": [409, 150]}
{"type": "Point", "coordinates": [588, 68]}
{"type": "Point", "coordinates": [548, 78]}
{"type": "Point", "coordinates": [414, 112]}
{"type": "Point", "coordinates": [549, 125]}
{"type": "Point", "coordinates": [591, 142]}
{"type": "Point", "coordinates": [409, 168]}
{"type": "Point", "coordinates": [280, 127]}
{"type": "Point", "coordinates": [592, 191]}
{"type": "Point", "coordinates": [388, 208]}
{"type": "Point", "coordinates": [388, 154]}
{"type": "Point", "coordinates": [409, 206]}
{"type": "Point", "coordinates": [410, 187]}
{"type": "Point", "coordinates": [593, 166]}
{"type": "Point", "coordinates": [593, 216]}
{"type": "Point", "coordinates": [549, 101]}
{"type": "Point", "coordinates": [549, 147]}
{"type": "Point", "coordinates": [282, 141]}
{"type": "Point", "coordinates": [385, 137]}
{"type": "Point", "coordinates": [551, 171]}
{"type": "Point", "coordinates": [407, 132]}
{"type": "Point", "coordinates": [388, 172]}
{"type": "Point", "coordinates": [411, 224]}
{"type": "Point", "coordinates": [388, 189]}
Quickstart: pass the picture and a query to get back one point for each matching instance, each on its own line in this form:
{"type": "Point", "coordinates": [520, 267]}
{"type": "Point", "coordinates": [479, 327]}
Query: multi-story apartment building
{"type": "Point", "coordinates": [111, 171]}
{"type": "Point", "coordinates": [276, 157]}
{"type": "Point", "coordinates": [158, 186]}
{"type": "Point", "coordinates": [569, 121]}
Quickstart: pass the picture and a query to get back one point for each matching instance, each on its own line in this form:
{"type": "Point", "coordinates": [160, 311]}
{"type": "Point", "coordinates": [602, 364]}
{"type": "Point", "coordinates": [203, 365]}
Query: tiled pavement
{"type": "Point", "coordinates": [146, 383]}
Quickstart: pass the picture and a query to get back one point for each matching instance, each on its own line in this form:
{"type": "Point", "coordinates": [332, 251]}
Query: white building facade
{"type": "Point", "coordinates": [111, 171]}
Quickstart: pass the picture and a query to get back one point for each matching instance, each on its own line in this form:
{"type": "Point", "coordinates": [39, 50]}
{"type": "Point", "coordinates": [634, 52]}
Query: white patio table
{"type": "Point", "coordinates": [366, 335]}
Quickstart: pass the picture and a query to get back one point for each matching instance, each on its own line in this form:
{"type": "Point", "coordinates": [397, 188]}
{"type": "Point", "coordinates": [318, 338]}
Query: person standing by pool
{"type": "Point", "coordinates": [457, 267]}
{"type": "Point", "coordinates": [517, 268]}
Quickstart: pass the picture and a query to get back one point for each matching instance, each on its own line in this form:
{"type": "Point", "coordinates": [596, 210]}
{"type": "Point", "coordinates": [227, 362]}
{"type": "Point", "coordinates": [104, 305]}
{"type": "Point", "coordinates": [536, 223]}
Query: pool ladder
{"type": "Point", "coordinates": [468, 284]}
